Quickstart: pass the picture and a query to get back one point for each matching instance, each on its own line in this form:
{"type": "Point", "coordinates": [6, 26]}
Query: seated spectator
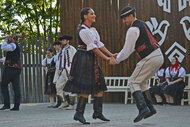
{"type": "Point", "coordinates": [174, 77]}
{"type": "Point", "coordinates": [158, 89]}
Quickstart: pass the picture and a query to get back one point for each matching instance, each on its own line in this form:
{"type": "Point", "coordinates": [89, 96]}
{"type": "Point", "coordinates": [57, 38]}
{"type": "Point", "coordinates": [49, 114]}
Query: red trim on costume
{"type": "Point", "coordinates": [140, 48]}
{"type": "Point", "coordinates": [153, 42]}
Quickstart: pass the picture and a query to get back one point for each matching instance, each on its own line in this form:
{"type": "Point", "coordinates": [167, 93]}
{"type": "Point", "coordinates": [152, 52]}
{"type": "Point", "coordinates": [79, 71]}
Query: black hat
{"type": "Point", "coordinates": [57, 43]}
{"type": "Point", "coordinates": [67, 37]}
{"type": "Point", "coordinates": [126, 11]}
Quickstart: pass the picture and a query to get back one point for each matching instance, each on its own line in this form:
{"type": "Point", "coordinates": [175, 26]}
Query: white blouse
{"type": "Point", "coordinates": [159, 73]}
{"type": "Point", "coordinates": [173, 73]}
{"type": "Point", "coordinates": [91, 38]}
{"type": "Point", "coordinates": [47, 61]}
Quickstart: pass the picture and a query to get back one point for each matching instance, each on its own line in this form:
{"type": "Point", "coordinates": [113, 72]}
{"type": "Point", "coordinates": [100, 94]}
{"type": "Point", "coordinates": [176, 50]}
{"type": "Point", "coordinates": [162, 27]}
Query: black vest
{"type": "Point", "coordinates": [80, 42]}
{"type": "Point", "coordinates": [145, 43]}
{"type": "Point", "coordinates": [13, 58]}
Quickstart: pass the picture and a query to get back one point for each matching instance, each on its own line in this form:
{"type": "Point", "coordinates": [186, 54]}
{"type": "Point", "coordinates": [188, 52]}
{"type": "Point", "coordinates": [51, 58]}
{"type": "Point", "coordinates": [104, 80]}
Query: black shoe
{"type": "Point", "coordinates": [80, 110]}
{"type": "Point", "coordinates": [159, 103]}
{"type": "Point", "coordinates": [148, 101]}
{"type": "Point", "coordinates": [99, 116]}
{"type": "Point", "coordinates": [97, 106]}
{"type": "Point", "coordinates": [79, 117]}
{"type": "Point", "coordinates": [141, 105]}
{"type": "Point", "coordinates": [59, 101]}
{"type": "Point", "coordinates": [15, 109]}
{"type": "Point", "coordinates": [4, 108]}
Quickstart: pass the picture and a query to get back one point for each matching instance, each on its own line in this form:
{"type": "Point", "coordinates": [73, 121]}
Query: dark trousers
{"type": "Point", "coordinates": [11, 75]}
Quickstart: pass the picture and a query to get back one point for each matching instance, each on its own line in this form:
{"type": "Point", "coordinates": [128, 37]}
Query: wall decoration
{"type": "Point", "coordinates": [156, 28]}
{"type": "Point", "coordinates": [166, 5]}
{"type": "Point", "coordinates": [185, 29]}
{"type": "Point", "coordinates": [176, 50]}
{"type": "Point", "coordinates": [182, 4]}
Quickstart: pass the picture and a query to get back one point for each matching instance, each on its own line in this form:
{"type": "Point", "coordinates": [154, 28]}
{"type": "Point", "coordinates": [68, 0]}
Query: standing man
{"type": "Point", "coordinates": [57, 47]}
{"type": "Point", "coordinates": [139, 39]}
{"type": "Point", "coordinates": [65, 59]}
{"type": "Point", "coordinates": [11, 72]}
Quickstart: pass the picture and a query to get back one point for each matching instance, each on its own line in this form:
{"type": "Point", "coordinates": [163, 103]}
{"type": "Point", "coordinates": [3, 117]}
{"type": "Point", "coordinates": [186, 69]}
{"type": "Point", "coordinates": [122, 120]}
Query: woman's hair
{"type": "Point", "coordinates": [83, 12]}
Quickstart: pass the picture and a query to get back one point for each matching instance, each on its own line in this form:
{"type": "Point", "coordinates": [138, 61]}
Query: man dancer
{"type": "Point", "coordinates": [11, 72]}
{"type": "Point", "coordinates": [65, 60]}
{"type": "Point", "coordinates": [139, 39]}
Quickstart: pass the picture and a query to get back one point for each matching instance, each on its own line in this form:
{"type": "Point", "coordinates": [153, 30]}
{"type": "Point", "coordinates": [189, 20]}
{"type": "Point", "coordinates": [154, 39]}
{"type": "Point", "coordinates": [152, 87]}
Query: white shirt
{"type": "Point", "coordinates": [129, 47]}
{"type": "Point", "coordinates": [8, 47]}
{"type": "Point", "coordinates": [56, 59]}
{"type": "Point", "coordinates": [69, 57]}
{"type": "Point", "coordinates": [90, 37]}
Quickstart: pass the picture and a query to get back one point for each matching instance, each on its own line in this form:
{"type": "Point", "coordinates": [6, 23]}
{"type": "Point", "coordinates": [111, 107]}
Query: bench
{"type": "Point", "coordinates": [186, 97]}
{"type": "Point", "coordinates": [117, 84]}
{"type": "Point", "coordinates": [120, 84]}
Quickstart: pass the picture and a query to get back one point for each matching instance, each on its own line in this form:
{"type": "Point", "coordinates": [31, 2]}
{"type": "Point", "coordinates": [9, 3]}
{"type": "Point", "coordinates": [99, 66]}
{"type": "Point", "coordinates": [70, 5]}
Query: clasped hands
{"type": "Point", "coordinates": [112, 60]}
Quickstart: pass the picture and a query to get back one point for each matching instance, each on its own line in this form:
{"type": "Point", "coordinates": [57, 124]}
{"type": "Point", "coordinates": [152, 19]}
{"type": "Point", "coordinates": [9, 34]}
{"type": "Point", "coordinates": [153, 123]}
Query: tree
{"type": "Point", "coordinates": [37, 17]}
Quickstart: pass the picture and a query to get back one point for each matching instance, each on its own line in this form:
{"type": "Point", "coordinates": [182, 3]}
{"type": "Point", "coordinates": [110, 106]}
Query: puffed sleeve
{"type": "Point", "coordinates": [182, 72]}
{"type": "Point", "coordinates": [167, 73]}
{"type": "Point", "coordinates": [99, 43]}
{"type": "Point", "coordinates": [44, 62]}
{"type": "Point", "coordinates": [88, 38]}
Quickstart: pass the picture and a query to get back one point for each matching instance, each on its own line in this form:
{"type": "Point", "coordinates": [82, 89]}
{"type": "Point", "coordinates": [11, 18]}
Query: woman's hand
{"type": "Point", "coordinates": [170, 83]}
{"type": "Point", "coordinates": [114, 55]}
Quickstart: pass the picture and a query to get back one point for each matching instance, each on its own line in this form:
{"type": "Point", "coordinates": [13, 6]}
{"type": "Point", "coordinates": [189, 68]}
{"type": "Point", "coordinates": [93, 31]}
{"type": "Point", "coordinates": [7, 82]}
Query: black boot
{"type": "Point", "coordinates": [148, 100]}
{"type": "Point", "coordinates": [59, 101]}
{"type": "Point", "coordinates": [141, 105]}
{"type": "Point", "coordinates": [163, 99]}
{"type": "Point", "coordinates": [80, 110]}
{"type": "Point", "coordinates": [97, 106]}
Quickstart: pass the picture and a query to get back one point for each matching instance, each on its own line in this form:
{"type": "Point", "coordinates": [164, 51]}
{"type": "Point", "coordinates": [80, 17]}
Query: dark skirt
{"type": "Point", "coordinates": [49, 85]}
{"type": "Point", "coordinates": [158, 89]}
{"type": "Point", "coordinates": [85, 76]}
{"type": "Point", "coordinates": [176, 90]}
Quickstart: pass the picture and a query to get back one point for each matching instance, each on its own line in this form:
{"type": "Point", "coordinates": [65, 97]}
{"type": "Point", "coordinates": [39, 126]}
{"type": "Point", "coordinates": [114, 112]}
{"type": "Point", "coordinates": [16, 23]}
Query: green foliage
{"type": "Point", "coordinates": [34, 17]}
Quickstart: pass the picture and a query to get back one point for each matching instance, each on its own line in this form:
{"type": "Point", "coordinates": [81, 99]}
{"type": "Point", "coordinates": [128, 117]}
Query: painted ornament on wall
{"type": "Point", "coordinates": [166, 4]}
{"type": "Point", "coordinates": [176, 50]}
{"type": "Point", "coordinates": [185, 21]}
{"type": "Point", "coordinates": [182, 4]}
{"type": "Point", "coordinates": [160, 29]}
